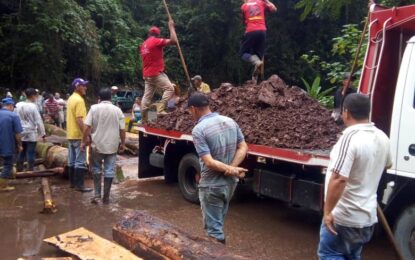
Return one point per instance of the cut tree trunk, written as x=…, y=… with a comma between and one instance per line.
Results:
x=48, y=205
x=54, y=156
x=54, y=130
x=153, y=238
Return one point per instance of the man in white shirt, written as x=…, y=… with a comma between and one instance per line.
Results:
x=32, y=128
x=357, y=162
x=105, y=124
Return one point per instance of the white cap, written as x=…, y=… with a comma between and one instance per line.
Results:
x=114, y=88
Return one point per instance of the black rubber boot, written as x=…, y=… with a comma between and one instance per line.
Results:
x=19, y=166
x=107, y=189
x=97, y=188
x=30, y=166
x=71, y=175
x=79, y=180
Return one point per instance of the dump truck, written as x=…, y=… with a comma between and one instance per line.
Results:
x=297, y=176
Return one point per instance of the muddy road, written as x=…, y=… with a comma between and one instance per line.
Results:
x=263, y=228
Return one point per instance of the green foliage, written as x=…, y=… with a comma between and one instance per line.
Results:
x=315, y=91
x=45, y=44
x=343, y=51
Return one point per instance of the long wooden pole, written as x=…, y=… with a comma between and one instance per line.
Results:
x=356, y=58
x=389, y=233
x=186, y=72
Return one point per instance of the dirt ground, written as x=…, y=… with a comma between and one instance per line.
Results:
x=262, y=228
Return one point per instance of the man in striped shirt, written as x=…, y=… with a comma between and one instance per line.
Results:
x=221, y=148
x=357, y=162
x=52, y=109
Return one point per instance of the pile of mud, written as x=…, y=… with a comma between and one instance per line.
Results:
x=271, y=114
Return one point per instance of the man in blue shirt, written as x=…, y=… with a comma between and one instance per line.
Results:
x=10, y=129
x=221, y=147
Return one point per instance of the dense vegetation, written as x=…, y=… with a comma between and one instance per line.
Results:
x=46, y=43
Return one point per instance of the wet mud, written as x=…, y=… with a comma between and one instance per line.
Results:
x=271, y=113
x=264, y=228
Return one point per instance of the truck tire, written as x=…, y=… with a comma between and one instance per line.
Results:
x=188, y=168
x=405, y=232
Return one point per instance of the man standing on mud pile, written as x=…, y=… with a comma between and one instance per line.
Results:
x=221, y=147
x=151, y=52
x=253, y=43
x=105, y=123
x=75, y=115
x=33, y=127
x=357, y=162
x=10, y=129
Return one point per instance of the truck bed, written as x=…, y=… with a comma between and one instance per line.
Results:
x=304, y=157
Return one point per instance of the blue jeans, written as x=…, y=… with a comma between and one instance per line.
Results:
x=29, y=153
x=109, y=163
x=6, y=173
x=76, y=157
x=348, y=243
x=214, y=202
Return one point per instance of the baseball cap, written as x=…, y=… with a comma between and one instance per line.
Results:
x=114, y=88
x=78, y=81
x=155, y=30
x=198, y=99
x=7, y=101
x=197, y=77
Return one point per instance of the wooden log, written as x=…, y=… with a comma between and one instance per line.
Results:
x=48, y=205
x=57, y=156
x=42, y=149
x=86, y=245
x=54, y=130
x=153, y=238
x=41, y=173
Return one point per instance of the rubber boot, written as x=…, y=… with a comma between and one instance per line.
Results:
x=107, y=189
x=257, y=63
x=79, y=180
x=4, y=185
x=71, y=175
x=30, y=166
x=19, y=166
x=97, y=188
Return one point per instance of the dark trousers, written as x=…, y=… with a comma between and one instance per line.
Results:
x=6, y=173
x=28, y=153
x=253, y=43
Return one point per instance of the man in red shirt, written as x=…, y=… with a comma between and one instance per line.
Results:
x=151, y=52
x=51, y=108
x=253, y=44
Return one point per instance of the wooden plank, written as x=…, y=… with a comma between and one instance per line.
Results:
x=86, y=245
x=153, y=238
x=39, y=173
x=48, y=205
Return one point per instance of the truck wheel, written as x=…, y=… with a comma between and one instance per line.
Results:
x=189, y=168
x=405, y=232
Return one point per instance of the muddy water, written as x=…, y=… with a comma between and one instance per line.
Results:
x=262, y=228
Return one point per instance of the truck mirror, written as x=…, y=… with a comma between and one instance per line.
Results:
x=412, y=149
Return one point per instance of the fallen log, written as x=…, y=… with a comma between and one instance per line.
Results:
x=54, y=130
x=152, y=238
x=53, y=155
x=39, y=173
x=86, y=245
x=48, y=205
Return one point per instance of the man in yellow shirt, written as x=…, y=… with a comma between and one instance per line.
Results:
x=200, y=85
x=75, y=115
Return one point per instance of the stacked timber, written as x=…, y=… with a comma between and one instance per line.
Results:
x=153, y=238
